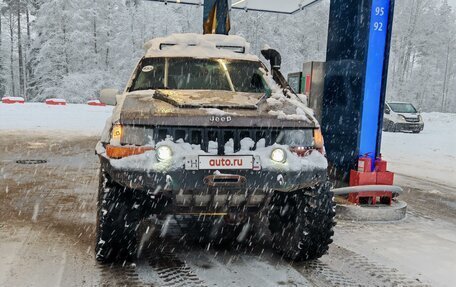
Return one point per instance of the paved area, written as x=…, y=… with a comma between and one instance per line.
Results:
x=47, y=231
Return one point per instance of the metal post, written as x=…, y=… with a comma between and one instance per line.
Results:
x=216, y=17
x=375, y=78
x=359, y=36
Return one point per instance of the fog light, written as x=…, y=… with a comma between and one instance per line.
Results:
x=164, y=153
x=278, y=155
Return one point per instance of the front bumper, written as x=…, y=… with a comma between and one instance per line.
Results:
x=412, y=127
x=204, y=188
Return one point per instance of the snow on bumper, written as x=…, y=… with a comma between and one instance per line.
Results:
x=145, y=172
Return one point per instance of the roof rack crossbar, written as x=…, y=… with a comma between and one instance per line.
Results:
x=235, y=49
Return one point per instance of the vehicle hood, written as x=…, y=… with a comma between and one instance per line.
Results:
x=210, y=108
x=409, y=115
x=209, y=99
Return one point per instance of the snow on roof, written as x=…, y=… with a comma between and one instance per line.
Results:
x=13, y=98
x=200, y=46
x=57, y=100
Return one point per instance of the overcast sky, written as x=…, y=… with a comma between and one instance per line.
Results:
x=452, y=2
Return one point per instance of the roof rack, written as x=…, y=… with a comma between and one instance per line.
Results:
x=235, y=49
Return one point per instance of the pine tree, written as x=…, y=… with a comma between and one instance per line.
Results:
x=2, y=75
x=78, y=47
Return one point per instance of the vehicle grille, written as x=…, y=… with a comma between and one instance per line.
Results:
x=412, y=120
x=407, y=127
x=220, y=136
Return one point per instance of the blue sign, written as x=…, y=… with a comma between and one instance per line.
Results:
x=374, y=73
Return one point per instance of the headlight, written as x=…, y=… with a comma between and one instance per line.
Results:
x=164, y=153
x=278, y=155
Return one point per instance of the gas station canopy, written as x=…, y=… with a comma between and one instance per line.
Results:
x=272, y=6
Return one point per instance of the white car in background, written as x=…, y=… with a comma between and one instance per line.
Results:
x=402, y=117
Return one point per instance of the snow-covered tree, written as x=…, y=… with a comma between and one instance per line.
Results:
x=2, y=62
x=71, y=49
x=421, y=61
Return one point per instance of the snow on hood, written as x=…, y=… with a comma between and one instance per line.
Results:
x=198, y=46
x=194, y=107
x=286, y=105
x=209, y=99
x=409, y=115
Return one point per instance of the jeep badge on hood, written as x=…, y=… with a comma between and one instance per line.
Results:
x=217, y=119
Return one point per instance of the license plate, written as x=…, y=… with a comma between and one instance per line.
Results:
x=203, y=162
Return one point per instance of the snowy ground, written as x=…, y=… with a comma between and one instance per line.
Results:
x=83, y=119
x=47, y=234
x=47, y=217
x=430, y=154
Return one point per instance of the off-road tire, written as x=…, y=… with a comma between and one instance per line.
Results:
x=118, y=217
x=301, y=222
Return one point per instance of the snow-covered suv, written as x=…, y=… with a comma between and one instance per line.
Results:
x=401, y=116
x=203, y=128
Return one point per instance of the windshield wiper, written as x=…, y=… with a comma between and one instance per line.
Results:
x=149, y=88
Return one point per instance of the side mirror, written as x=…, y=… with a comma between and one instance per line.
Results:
x=108, y=96
x=273, y=57
x=387, y=111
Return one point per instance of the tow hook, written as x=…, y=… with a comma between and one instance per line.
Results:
x=224, y=180
x=280, y=179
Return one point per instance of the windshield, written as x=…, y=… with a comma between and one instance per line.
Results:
x=199, y=74
x=403, y=108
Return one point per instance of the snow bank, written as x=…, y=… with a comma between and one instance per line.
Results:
x=13, y=100
x=95, y=103
x=83, y=119
x=429, y=155
x=56, y=102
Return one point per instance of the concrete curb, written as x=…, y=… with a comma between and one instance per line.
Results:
x=396, y=211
